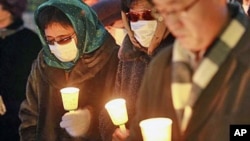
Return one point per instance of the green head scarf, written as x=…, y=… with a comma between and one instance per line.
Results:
x=90, y=33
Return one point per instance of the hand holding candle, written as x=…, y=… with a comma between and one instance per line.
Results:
x=118, y=112
x=70, y=98
x=77, y=121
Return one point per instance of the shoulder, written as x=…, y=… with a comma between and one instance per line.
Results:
x=28, y=35
x=28, y=32
x=242, y=51
x=160, y=63
x=163, y=56
x=30, y=38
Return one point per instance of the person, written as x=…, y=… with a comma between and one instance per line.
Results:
x=132, y=65
x=245, y=5
x=19, y=47
x=108, y=12
x=202, y=82
x=77, y=52
x=137, y=19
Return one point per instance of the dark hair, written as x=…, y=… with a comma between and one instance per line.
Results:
x=126, y=4
x=50, y=15
x=15, y=7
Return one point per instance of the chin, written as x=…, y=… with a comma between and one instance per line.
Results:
x=189, y=45
x=189, y=41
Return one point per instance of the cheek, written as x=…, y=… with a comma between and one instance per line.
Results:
x=192, y=26
x=75, y=40
x=172, y=22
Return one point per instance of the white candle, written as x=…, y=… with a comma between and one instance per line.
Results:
x=118, y=112
x=70, y=98
x=156, y=129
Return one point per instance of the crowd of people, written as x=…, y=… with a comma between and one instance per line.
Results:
x=186, y=60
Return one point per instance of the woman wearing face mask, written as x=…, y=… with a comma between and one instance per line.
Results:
x=77, y=52
x=245, y=5
x=146, y=37
x=144, y=31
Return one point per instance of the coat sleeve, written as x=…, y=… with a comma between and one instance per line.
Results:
x=28, y=113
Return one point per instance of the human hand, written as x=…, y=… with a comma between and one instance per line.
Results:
x=2, y=106
x=76, y=123
x=119, y=135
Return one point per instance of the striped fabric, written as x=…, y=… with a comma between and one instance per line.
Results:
x=189, y=81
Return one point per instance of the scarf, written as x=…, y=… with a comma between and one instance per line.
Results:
x=7, y=32
x=189, y=81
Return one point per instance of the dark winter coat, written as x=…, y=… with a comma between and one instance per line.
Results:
x=41, y=112
x=93, y=72
x=132, y=66
x=17, y=52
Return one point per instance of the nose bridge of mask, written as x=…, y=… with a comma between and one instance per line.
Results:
x=144, y=31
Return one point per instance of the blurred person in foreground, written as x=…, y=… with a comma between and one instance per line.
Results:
x=202, y=82
x=77, y=52
x=19, y=47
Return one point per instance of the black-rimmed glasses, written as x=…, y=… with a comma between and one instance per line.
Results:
x=61, y=41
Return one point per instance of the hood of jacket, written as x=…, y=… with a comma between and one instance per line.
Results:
x=90, y=33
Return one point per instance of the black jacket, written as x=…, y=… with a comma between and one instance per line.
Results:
x=19, y=46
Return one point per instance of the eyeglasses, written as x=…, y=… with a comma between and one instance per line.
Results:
x=176, y=9
x=142, y=15
x=61, y=41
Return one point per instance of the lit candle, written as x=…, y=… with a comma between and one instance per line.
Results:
x=156, y=129
x=70, y=98
x=118, y=112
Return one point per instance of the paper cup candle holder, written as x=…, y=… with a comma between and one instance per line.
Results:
x=70, y=98
x=118, y=112
x=156, y=129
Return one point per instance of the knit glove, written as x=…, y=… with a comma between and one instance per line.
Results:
x=76, y=123
x=2, y=106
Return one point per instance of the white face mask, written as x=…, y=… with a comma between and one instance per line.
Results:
x=144, y=31
x=66, y=52
x=245, y=7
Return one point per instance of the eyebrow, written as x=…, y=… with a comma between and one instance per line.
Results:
x=60, y=36
x=173, y=5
